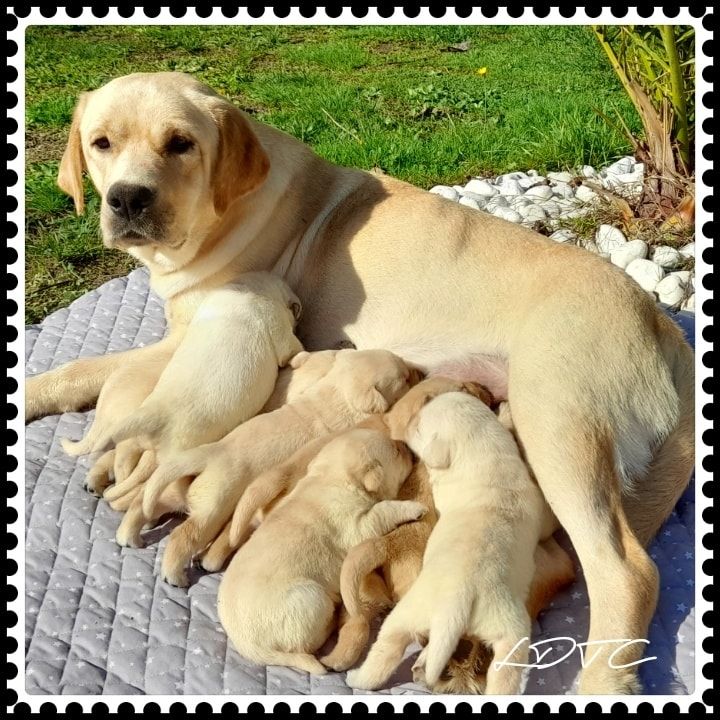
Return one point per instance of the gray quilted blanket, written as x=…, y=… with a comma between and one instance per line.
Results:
x=100, y=621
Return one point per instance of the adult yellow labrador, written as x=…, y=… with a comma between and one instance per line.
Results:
x=600, y=382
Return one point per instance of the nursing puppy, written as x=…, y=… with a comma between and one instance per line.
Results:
x=478, y=564
x=358, y=384
x=225, y=368
x=277, y=598
x=397, y=555
x=304, y=370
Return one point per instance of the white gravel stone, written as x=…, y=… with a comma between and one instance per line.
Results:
x=529, y=182
x=481, y=187
x=481, y=200
x=564, y=236
x=563, y=190
x=666, y=257
x=552, y=208
x=688, y=250
x=622, y=166
x=646, y=273
x=685, y=276
x=532, y=213
x=670, y=290
x=459, y=189
x=585, y=194
x=469, y=202
x=591, y=245
x=510, y=187
x=561, y=177
x=496, y=202
x=533, y=173
x=445, y=191
x=502, y=179
x=541, y=192
x=623, y=255
x=609, y=238
x=507, y=214
x=689, y=304
x=588, y=171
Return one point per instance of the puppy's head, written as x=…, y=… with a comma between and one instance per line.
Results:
x=167, y=155
x=276, y=289
x=367, y=458
x=372, y=380
x=403, y=417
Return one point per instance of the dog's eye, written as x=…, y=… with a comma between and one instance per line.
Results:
x=101, y=143
x=178, y=145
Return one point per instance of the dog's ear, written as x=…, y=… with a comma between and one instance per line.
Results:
x=72, y=164
x=299, y=360
x=296, y=307
x=242, y=164
x=370, y=401
x=480, y=392
x=436, y=454
x=373, y=476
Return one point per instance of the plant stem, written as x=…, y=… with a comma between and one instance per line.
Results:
x=678, y=92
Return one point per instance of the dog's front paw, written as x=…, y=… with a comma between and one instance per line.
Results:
x=176, y=576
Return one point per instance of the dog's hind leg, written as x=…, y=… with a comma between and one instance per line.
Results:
x=580, y=482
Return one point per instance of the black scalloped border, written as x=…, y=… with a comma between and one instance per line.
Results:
x=411, y=10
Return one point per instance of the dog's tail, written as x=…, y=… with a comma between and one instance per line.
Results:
x=79, y=447
x=654, y=497
x=189, y=462
x=446, y=629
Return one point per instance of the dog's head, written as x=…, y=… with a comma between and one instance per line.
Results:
x=403, y=417
x=167, y=155
x=366, y=458
x=372, y=380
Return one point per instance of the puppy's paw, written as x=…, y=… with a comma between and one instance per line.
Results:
x=416, y=510
x=177, y=577
x=358, y=680
x=128, y=537
x=338, y=663
x=418, y=672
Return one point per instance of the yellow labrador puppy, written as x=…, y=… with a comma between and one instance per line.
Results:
x=225, y=368
x=277, y=598
x=292, y=382
x=478, y=564
x=601, y=382
x=358, y=384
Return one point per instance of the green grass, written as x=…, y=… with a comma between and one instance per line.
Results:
x=389, y=97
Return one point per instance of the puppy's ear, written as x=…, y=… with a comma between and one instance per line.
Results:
x=370, y=401
x=373, y=477
x=480, y=392
x=242, y=165
x=299, y=360
x=72, y=164
x=296, y=308
x=436, y=454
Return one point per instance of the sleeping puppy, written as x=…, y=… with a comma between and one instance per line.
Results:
x=478, y=564
x=277, y=598
x=282, y=477
x=291, y=383
x=358, y=384
x=399, y=554
x=225, y=368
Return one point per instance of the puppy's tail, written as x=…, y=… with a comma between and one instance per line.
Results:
x=189, y=462
x=446, y=630
x=358, y=564
x=81, y=447
x=302, y=661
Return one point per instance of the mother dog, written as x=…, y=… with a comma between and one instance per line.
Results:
x=600, y=382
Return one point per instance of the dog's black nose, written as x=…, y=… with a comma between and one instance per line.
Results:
x=129, y=201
